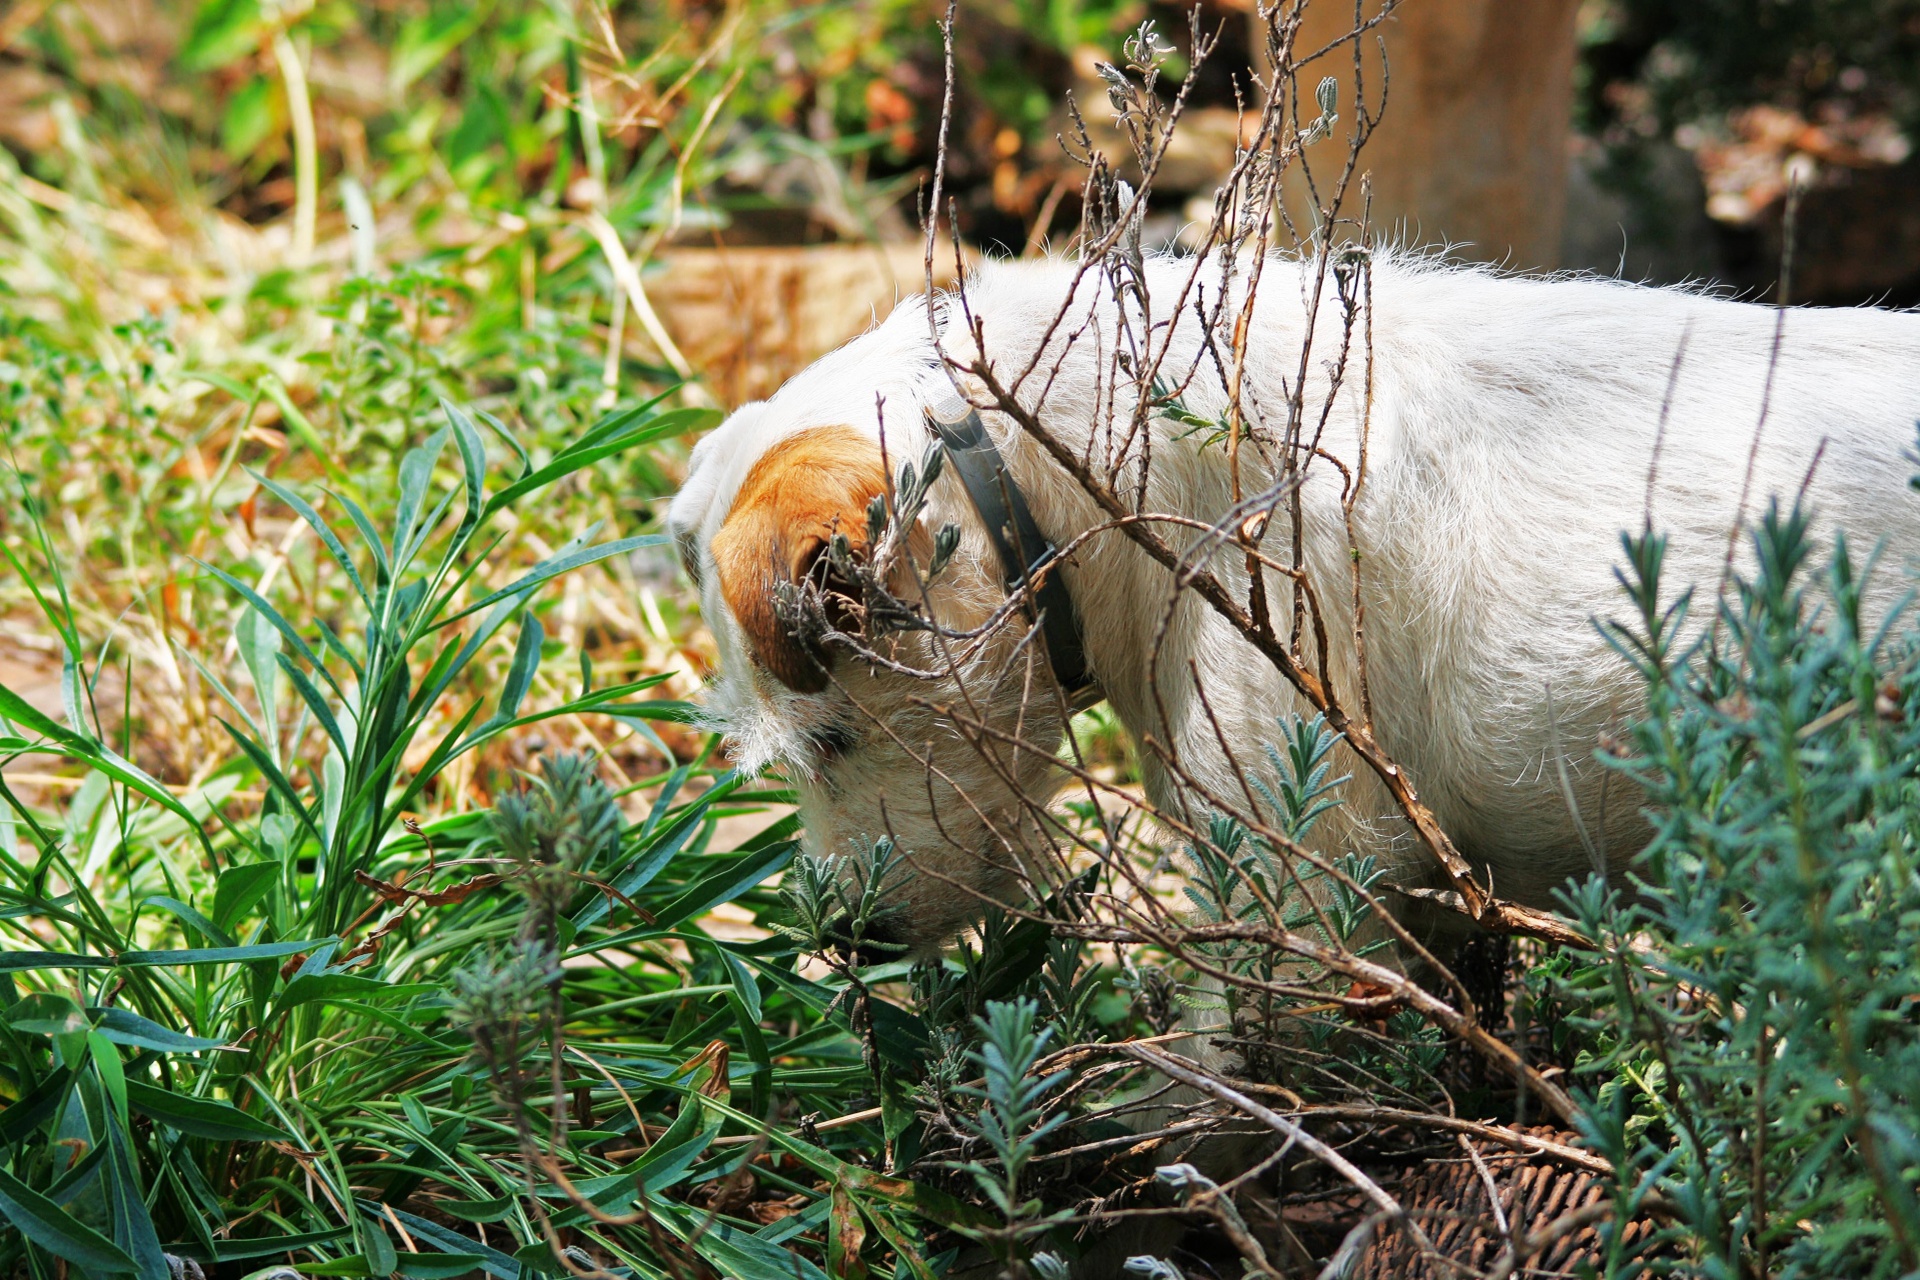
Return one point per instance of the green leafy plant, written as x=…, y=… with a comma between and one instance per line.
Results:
x=312, y=997
x=836, y=899
x=1011, y=1122
x=1750, y=1043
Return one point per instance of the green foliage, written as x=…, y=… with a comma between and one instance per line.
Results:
x=556, y=833
x=276, y=990
x=240, y=1033
x=835, y=900
x=1304, y=790
x=1748, y=1022
x=1011, y=1120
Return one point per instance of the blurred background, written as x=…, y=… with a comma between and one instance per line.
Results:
x=206, y=149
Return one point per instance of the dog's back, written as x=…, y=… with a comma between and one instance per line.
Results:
x=1513, y=428
x=1517, y=428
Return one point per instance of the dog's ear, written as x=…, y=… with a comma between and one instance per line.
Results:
x=801, y=492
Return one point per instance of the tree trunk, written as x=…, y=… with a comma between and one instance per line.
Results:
x=1472, y=149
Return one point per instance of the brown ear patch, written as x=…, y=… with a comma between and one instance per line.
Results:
x=805, y=489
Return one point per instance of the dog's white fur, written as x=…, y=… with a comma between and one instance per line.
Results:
x=1512, y=434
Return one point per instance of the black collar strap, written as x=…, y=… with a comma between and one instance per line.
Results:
x=1025, y=554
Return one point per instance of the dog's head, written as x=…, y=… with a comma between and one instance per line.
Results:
x=949, y=766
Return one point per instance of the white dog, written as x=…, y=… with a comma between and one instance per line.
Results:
x=1512, y=438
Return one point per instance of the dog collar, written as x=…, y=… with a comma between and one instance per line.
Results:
x=1025, y=554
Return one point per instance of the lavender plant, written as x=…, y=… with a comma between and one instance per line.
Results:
x=1752, y=1054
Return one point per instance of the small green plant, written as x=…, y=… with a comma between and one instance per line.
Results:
x=835, y=899
x=1303, y=791
x=554, y=834
x=1011, y=1121
x=1748, y=1022
x=238, y=1032
x=1290, y=1019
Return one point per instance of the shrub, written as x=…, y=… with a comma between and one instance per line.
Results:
x=1752, y=1012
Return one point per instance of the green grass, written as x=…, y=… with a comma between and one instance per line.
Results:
x=249, y=1030
x=328, y=564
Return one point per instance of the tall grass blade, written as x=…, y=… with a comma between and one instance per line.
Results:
x=473, y=464
x=549, y=569
x=526, y=656
x=279, y=623
x=201, y=1117
x=321, y=529
x=58, y=1232
x=20, y=712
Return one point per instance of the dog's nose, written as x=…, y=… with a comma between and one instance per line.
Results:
x=881, y=941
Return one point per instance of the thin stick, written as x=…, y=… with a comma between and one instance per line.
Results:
x=1172, y=1066
x=1512, y=1139
x=1660, y=429
x=940, y=170
x=1766, y=390
x=625, y=272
